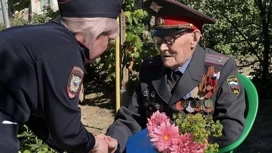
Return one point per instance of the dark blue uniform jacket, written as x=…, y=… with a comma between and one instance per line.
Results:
x=35, y=65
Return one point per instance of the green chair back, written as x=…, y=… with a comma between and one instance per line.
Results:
x=252, y=103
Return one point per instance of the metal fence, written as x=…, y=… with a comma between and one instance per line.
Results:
x=8, y=8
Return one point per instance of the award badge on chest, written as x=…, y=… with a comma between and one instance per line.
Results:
x=199, y=99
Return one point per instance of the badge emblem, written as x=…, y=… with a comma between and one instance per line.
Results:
x=155, y=7
x=74, y=82
x=233, y=85
x=159, y=21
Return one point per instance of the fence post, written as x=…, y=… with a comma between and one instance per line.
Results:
x=5, y=13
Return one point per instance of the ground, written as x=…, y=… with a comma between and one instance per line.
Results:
x=97, y=112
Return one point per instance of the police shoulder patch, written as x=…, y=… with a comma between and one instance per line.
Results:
x=233, y=85
x=74, y=82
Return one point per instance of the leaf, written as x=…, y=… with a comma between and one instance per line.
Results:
x=136, y=54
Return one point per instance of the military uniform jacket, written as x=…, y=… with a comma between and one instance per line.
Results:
x=41, y=73
x=153, y=93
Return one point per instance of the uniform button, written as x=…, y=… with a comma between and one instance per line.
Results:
x=153, y=94
x=146, y=94
x=158, y=106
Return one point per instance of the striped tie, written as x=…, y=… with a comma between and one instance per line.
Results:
x=174, y=76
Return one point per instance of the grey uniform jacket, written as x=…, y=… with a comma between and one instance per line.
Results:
x=154, y=93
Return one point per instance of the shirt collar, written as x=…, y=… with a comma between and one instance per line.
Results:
x=184, y=66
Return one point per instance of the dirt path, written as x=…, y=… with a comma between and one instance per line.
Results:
x=96, y=119
x=97, y=113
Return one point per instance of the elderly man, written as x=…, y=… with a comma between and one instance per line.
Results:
x=42, y=68
x=185, y=77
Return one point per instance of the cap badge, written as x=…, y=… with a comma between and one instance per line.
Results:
x=74, y=82
x=233, y=85
x=155, y=7
x=159, y=21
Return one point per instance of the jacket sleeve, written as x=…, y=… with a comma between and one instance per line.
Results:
x=230, y=106
x=59, y=109
x=128, y=121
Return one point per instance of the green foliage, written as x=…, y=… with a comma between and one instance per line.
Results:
x=201, y=127
x=103, y=69
x=29, y=143
x=2, y=26
x=138, y=44
x=18, y=5
x=48, y=14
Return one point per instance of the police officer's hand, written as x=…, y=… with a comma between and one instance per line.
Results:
x=101, y=145
x=112, y=143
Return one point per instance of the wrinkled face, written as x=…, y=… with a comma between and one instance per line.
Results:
x=175, y=54
x=100, y=45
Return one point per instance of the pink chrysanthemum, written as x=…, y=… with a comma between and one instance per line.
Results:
x=155, y=120
x=162, y=136
x=185, y=144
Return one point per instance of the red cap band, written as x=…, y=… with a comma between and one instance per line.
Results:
x=174, y=20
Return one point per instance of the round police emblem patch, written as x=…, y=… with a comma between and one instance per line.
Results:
x=233, y=85
x=74, y=82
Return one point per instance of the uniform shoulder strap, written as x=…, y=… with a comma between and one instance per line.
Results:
x=216, y=59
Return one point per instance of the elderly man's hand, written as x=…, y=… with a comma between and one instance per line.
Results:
x=112, y=143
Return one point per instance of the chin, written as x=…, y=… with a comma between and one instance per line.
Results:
x=170, y=65
x=167, y=64
x=91, y=60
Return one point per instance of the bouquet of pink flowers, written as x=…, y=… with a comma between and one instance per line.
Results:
x=187, y=134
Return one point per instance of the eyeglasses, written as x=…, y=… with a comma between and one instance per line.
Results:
x=169, y=39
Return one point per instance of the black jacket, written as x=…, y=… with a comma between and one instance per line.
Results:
x=41, y=73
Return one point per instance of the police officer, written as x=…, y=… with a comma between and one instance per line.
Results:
x=42, y=67
x=184, y=78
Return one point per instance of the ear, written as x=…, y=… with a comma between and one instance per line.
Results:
x=79, y=37
x=196, y=37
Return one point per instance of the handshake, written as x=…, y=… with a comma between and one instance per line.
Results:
x=104, y=144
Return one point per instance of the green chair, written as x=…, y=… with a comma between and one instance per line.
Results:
x=252, y=103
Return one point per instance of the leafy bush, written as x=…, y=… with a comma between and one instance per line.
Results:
x=30, y=143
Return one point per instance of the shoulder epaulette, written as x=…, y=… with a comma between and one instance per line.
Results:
x=216, y=59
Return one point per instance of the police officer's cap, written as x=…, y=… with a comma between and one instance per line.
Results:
x=90, y=8
x=172, y=17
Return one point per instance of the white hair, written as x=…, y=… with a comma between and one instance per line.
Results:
x=91, y=28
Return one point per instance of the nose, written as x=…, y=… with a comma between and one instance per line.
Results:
x=163, y=47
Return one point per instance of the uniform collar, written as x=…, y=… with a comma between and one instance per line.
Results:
x=84, y=49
